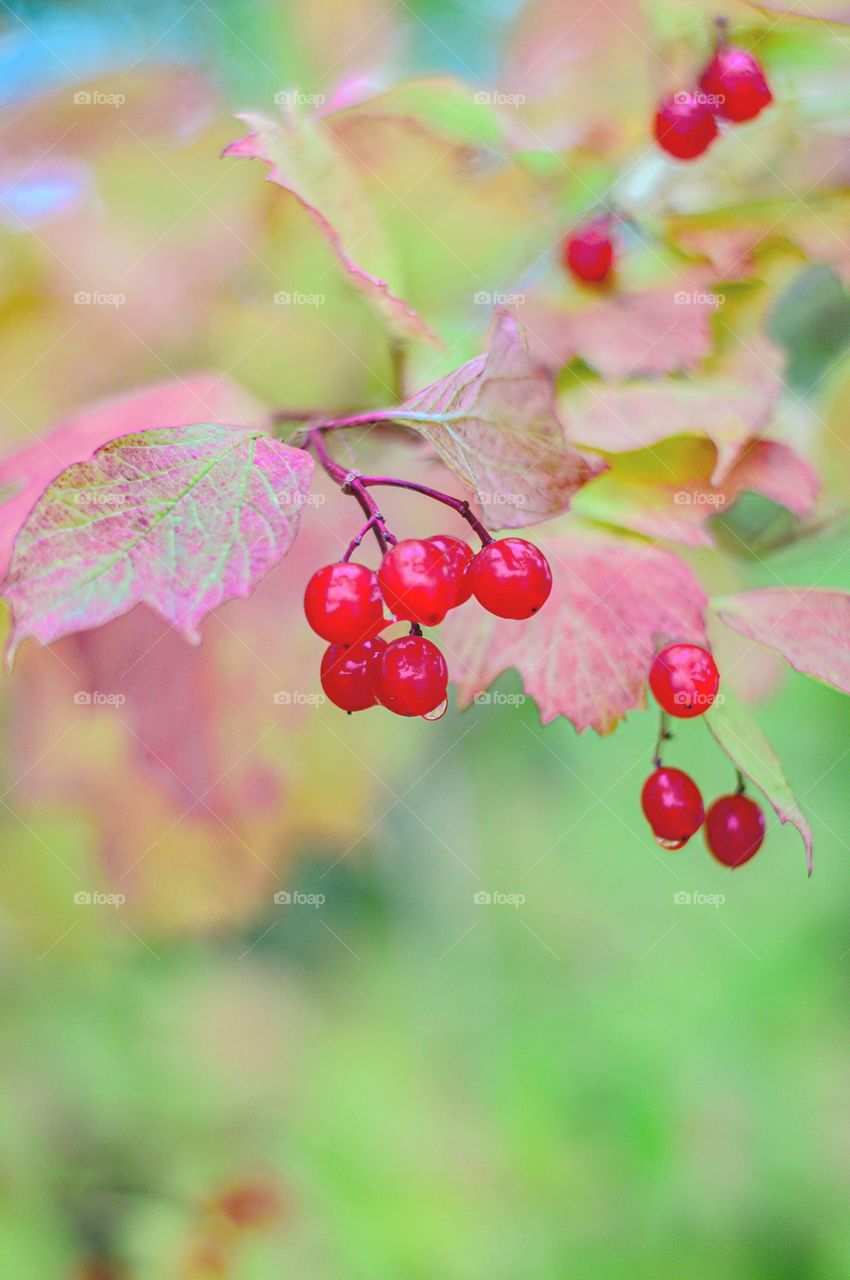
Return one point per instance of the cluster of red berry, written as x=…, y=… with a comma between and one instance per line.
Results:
x=419, y=581
x=733, y=86
x=684, y=680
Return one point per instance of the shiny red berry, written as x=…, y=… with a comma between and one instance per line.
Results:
x=734, y=830
x=511, y=578
x=458, y=557
x=684, y=680
x=684, y=126
x=347, y=673
x=417, y=582
x=411, y=677
x=342, y=602
x=589, y=253
x=672, y=805
x=737, y=85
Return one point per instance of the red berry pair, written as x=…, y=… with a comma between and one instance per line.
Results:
x=419, y=580
x=673, y=807
x=732, y=86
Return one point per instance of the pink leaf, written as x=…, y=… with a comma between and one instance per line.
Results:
x=809, y=628
x=623, y=334
x=182, y=519
x=196, y=398
x=306, y=159
x=740, y=736
x=587, y=654
x=493, y=422
x=728, y=408
x=666, y=491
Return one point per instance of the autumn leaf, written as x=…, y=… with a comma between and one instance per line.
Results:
x=808, y=627
x=25, y=475
x=587, y=654
x=626, y=334
x=728, y=408
x=307, y=160
x=666, y=491
x=179, y=518
x=741, y=737
x=493, y=422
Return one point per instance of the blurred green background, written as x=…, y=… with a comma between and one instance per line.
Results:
x=586, y=1075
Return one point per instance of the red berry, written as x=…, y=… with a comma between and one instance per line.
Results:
x=347, y=673
x=458, y=556
x=249, y=1205
x=342, y=602
x=672, y=805
x=684, y=680
x=417, y=582
x=511, y=578
x=589, y=253
x=734, y=830
x=684, y=126
x=737, y=83
x=411, y=676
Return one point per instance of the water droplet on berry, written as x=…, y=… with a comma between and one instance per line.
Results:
x=438, y=712
x=670, y=844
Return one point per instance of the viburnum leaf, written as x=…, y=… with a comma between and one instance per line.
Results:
x=741, y=737
x=493, y=422
x=306, y=159
x=587, y=654
x=727, y=408
x=200, y=397
x=626, y=334
x=182, y=519
x=666, y=491
x=808, y=627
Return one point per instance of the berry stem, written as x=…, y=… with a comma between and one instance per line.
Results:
x=351, y=482
x=371, y=523
x=742, y=785
x=721, y=27
x=460, y=505
x=664, y=735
